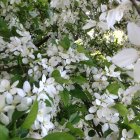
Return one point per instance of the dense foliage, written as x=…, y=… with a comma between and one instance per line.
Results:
x=69, y=69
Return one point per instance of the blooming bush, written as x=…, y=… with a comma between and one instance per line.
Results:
x=69, y=69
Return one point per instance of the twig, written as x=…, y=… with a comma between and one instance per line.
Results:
x=136, y=6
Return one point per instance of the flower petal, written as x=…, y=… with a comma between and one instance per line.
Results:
x=137, y=71
x=89, y=24
x=4, y=119
x=125, y=57
x=2, y=101
x=114, y=127
x=26, y=87
x=89, y=117
x=133, y=33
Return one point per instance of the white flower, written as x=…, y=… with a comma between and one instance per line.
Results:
x=60, y=3
x=4, y=85
x=48, y=85
x=52, y=50
x=127, y=135
x=26, y=89
x=15, y=1
x=25, y=61
x=89, y=24
x=110, y=72
x=92, y=109
x=54, y=61
x=46, y=126
x=113, y=16
x=131, y=114
x=100, y=81
x=34, y=135
x=43, y=120
x=5, y=118
x=25, y=104
x=133, y=33
x=129, y=93
x=112, y=126
x=125, y=57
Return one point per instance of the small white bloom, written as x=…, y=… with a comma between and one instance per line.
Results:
x=127, y=135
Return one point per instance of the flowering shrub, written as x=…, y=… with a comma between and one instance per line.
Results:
x=64, y=71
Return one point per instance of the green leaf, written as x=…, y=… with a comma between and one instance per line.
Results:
x=135, y=127
x=113, y=88
x=59, y=136
x=16, y=138
x=22, y=133
x=58, y=78
x=121, y=109
x=89, y=63
x=4, y=133
x=56, y=73
x=4, y=1
x=65, y=97
x=31, y=116
x=79, y=80
x=81, y=49
x=78, y=93
x=48, y=103
x=75, y=131
x=29, y=139
x=4, y=31
x=74, y=118
x=65, y=42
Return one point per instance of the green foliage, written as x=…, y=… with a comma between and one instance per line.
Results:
x=65, y=97
x=135, y=127
x=79, y=79
x=113, y=88
x=65, y=42
x=74, y=118
x=122, y=109
x=29, y=120
x=51, y=26
x=4, y=31
x=4, y=133
x=59, y=136
x=16, y=138
x=58, y=78
x=78, y=93
x=77, y=132
x=4, y=1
